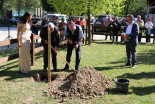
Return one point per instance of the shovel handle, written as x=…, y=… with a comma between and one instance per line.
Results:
x=63, y=58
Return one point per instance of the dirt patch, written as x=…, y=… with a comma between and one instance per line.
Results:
x=86, y=83
x=43, y=77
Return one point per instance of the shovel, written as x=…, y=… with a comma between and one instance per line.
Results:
x=62, y=58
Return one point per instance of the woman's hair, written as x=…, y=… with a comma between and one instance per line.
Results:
x=150, y=19
x=24, y=17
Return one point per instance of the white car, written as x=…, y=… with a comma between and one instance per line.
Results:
x=60, y=16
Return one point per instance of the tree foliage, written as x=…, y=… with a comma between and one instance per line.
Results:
x=135, y=7
x=78, y=7
x=18, y=4
x=46, y=6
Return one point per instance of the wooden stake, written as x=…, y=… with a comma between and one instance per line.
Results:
x=49, y=55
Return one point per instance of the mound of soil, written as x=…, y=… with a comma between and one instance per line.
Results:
x=87, y=82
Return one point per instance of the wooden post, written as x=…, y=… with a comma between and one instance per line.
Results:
x=86, y=36
x=88, y=21
x=49, y=56
x=92, y=31
x=154, y=35
x=32, y=49
x=83, y=35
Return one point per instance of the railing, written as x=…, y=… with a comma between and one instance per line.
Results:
x=111, y=28
x=32, y=51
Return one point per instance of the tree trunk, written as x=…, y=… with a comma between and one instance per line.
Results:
x=1, y=4
x=34, y=4
x=18, y=10
x=89, y=35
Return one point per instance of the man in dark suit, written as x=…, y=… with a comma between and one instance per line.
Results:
x=54, y=44
x=116, y=26
x=132, y=32
x=74, y=36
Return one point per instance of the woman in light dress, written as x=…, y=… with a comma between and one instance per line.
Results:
x=23, y=37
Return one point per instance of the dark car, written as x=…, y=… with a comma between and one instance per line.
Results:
x=71, y=18
x=99, y=24
x=14, y=22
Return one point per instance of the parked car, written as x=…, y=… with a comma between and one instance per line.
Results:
x=100, y=22
x=14, y=20
x=71, y=18
x=60, y=16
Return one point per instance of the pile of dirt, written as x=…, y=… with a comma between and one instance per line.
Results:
x=85, y=83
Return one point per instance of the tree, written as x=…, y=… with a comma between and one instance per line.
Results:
x=46, y=6
x=4, y=5
x=135, y=6
x=27, y=4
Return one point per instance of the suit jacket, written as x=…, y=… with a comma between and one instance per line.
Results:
x=133, y=37
x=54, y=35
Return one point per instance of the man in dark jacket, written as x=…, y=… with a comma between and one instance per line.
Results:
x=44, y=22
x=132, y=32
x=54, y=44
x=116, y=26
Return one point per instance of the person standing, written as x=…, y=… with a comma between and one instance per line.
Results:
x=132, y=32
x=53, y=21
x=57, y=21
x=140, y=22
x=62, y=28
x=92, y=19
x=54, y=44
x=76, y=20
x=23, y=38
x=116, y=26
x=74, y=36
x=123, y=28
x=149, y=26
x=35, y=25
x=82, y=23
x=44, y=22
x=107, y=24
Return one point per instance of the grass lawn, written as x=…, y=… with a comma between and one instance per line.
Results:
x=107, y=58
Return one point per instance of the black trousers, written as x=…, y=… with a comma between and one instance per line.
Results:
x=147, y=38
x=108, y=30
x=54, y=60
x=139, y=37
x=131, y=51
x=35, y=31
x=115, y=32
x=70, y=48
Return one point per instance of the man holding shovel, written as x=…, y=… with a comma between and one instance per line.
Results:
x=54, y=43
x=74, y=36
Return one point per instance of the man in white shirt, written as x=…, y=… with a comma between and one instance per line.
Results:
x=132, y=32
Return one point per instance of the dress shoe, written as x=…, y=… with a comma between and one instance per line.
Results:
x=133, y=66
x=76, y=69
x=66, y=68
x=127, y=64
x=56, y=70
x=44, y=70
